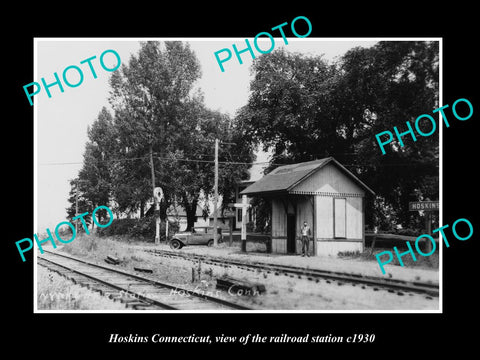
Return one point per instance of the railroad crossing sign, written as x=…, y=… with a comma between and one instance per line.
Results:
x=158, y=194
x=424, y=205
x=244, y=206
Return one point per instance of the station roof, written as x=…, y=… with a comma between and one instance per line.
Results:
x=285, y=177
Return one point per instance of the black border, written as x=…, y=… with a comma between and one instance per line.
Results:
x=87, y=334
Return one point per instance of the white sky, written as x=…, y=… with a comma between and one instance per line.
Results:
x=62, y=120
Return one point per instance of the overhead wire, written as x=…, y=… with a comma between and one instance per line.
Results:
x=269, y=163
x=220, y=162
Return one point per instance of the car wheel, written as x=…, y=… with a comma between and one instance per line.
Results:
x=210, y=243
x=175, y=244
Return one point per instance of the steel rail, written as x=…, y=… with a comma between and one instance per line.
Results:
x=143, y=279
x=137, y=296
x=393, y=284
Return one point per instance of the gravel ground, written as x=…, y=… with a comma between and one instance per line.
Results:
x=282, y=292
x=351, y=265
x=301, y=294
x=287, y=293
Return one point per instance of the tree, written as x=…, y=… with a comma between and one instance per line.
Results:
x=190, y=164
x=130, y=172
x=147, y=95
x=394, y=82
x=166, y=132
x=94, y=180
x=77, y=196
x=288, y=110
x=302, y=108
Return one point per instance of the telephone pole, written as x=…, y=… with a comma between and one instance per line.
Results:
x=155, y=201
x=76, y=207
x=215, y=193
x=215, y=197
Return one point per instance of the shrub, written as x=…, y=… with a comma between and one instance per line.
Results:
x=143, y=228
x=117, y=227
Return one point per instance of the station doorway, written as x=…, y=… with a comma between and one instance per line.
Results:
x=291, y=238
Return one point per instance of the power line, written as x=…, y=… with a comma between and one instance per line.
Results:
x=227, y=162
x=104, y=161
x=232, y=162
x=161, y=159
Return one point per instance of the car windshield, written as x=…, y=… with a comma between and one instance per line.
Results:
x=201, y=230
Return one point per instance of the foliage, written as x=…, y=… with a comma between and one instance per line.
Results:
x=94, y=179
x=302, y=108
x=143, y=228
x=84, y=205
x=262, y=208
x=148, y=96
x=160, y=134
x=157, y=114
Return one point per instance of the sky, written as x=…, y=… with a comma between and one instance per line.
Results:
x=61, y=121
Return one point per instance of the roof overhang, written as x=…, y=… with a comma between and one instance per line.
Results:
x=291, y=186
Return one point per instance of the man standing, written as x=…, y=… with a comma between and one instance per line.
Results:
x=306, y=232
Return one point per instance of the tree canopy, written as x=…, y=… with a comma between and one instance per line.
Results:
x=160, y=134
x=303, y=107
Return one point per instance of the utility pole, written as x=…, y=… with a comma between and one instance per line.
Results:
x=215, y=196
x=156, y=202
x=243, y=237
x=215, y=192
x=76, y=207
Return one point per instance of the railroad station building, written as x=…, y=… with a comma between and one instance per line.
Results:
x=322, y=192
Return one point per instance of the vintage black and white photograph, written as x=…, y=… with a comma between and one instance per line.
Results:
x=212, y=175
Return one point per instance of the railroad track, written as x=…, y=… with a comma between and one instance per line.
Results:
x=400, y=287
x=135, y=291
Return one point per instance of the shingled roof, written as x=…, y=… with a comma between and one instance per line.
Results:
x=284, y=178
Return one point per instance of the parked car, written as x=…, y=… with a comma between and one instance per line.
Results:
x=198, y=236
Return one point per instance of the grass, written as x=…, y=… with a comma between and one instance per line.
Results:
x=427, y=262
x=96, y=249
x=282, y=293
x=56, y=292
x=91, y=246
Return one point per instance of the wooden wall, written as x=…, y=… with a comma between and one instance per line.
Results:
x=328, y=183
x=324, y=217
x=330, y=179
x=304, y=213
x=279, y=227
x=354, y=218
x=327, y=244
x=332, y=248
